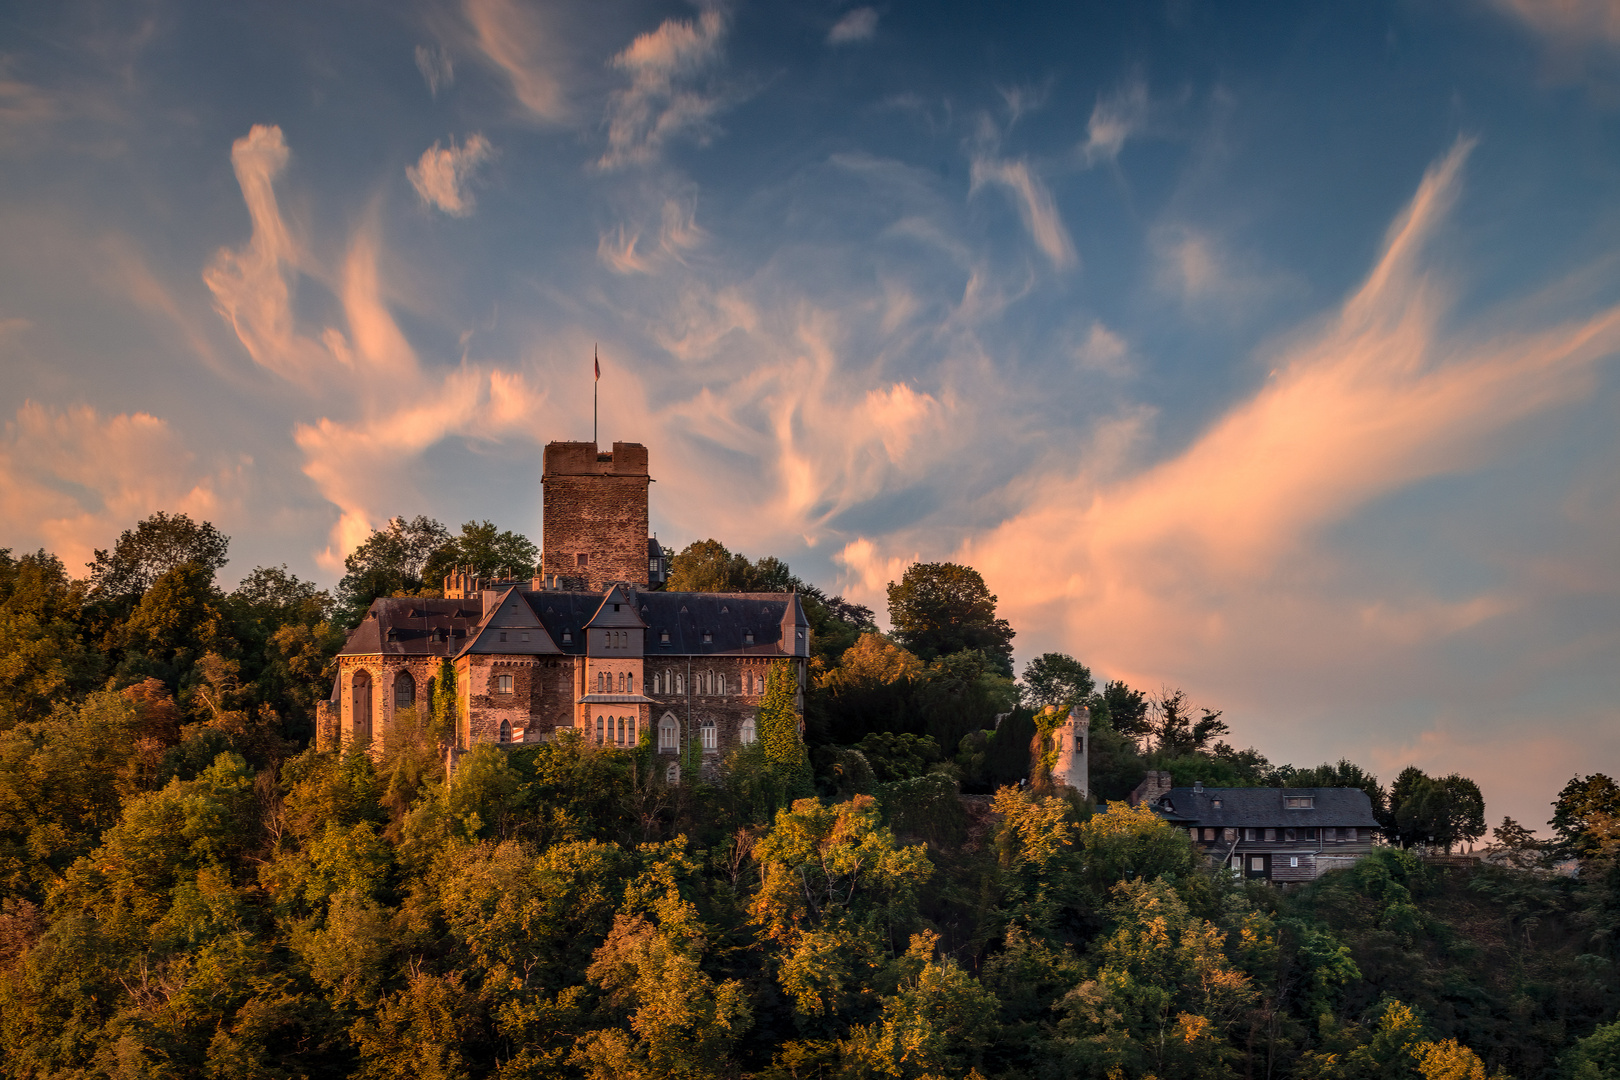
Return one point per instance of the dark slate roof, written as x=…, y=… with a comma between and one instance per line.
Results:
x=511, y=629
x=1263, y=807
x=412, y=626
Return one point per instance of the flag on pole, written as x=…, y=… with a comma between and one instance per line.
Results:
x=598, y=361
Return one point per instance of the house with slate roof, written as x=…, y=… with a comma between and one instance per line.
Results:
x=1273, y=834
x=589, y=646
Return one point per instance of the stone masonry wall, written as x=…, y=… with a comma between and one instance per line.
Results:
x=698, y=688
x=541, y=699
x=596, y=506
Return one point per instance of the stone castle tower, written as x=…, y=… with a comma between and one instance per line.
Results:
x=595, y=514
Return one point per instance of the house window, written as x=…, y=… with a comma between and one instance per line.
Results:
x=630, y=683
x=1271, y=834
x=1209, y=835
x=1216, y=803
x=720, y=684
x=620, y=724
x=1293, y=860
x=503, y=635
x=748, y=637
x=652, y=567
x=1258, y=864
x=360, y=705
x=621, y=682
x=506, y=731
x=404, y=690
x=708, y=735
x=708, y=638
x=1310, y=834
x=1248, y=834
x=582, y=559
x=1299, y=802
x=600, y=737
x=523, y=636
x=663, y=637
x=503, y=684
x=747, y=735
x=568, y=637
x=673, y=773
x=1228, y=835
x=666, y=732
x=1288, y=834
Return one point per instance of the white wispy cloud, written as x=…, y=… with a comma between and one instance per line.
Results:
x=621, y=248
x=520, y=42
x=1574, y=22
x=383, y=409
x=441, y=176
x=437, y=69
x=1034, y=204
x=1115, y=119
x=664, y=100
x=858, y=24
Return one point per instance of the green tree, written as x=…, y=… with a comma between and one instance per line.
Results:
x=389, y=563
x=176, y=623
x=1057, y=680
x=486, y=550
x=1586, y=816
x=707, y=566
x=1129, y=843
x=942, y=608
x=1127, y=711
x=43, y=652
x=153, y=548
x=1596, y=1057
x=1176, y=731
x=1441, y=811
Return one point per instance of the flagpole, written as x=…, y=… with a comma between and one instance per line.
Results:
x=597, y=361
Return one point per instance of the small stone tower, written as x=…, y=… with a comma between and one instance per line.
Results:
x=595, y=514
x=1073, y=746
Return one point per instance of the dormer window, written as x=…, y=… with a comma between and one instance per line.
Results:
x=615, y=607
x=725, y=609
x=503, y=635
x=708, y=638
x=568, y=637
x=1216, y=803
x=523, y=636
x=1299, y=802
x=748, y=637
x=663, y=637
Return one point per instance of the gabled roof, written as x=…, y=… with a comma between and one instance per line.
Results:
x=511, y=629
x=617, y=611
x=1264, y=807
x=414, y=626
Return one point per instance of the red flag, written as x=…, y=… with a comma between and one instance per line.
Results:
x=598, y=366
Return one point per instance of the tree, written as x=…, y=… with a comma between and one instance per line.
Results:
x=1440, y=812
x=1127, y=710
x=1345, y=774
x=707, y=566
x=389, y=563
x=943, y=608
x=153, y=548
x=485, y=550
x=1176, y=731
x=873, y=660
x=43, y=654
x=1057, y=680
x=1586, y=816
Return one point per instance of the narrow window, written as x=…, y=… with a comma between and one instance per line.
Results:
x=621, y=682
x=360, y=715
x=748, y=637
x=748, y=731
x=1293, y=860
x=708, y=637
x=621, y=731
x=1258, y=864
x=582, y=559
x=666, y=732
x=503, y=635
x=506, y=731
x=673, y=773
x=599, y=731
x=708, y=735
x=1288, y=834
x=663, y=637
x=630, y=723
x=503, y=684
x=1271, y=835
x=630, y=683
x=404, y=690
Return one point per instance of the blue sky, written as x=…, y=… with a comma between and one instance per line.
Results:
x=1263, y=350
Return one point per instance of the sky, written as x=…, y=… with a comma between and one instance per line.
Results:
x=1265, y=351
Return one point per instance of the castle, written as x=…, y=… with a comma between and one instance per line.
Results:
x=586, y=645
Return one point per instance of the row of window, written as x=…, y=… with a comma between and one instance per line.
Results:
x=1330, y=834
x=605, y=682
x=621, y=731
x=706, y=683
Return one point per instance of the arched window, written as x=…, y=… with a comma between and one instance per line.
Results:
x=621, y=682
x=506, y=731
x=708, y=735
x=748, y=731
x=404, y=691
x=720, y=685
x=360, y=700
x=666, y=732
x=673, y=773
x=630, y=683
x=680, y=684
x=630, y=722
x=600, y=736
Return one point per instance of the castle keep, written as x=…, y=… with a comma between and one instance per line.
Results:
x=589, y=644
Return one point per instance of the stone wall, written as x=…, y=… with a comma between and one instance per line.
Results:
x=383, y=672
x=692, y=694
x=595, y=507
x=540, y=701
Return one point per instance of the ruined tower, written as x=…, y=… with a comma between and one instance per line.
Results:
x=595, y=513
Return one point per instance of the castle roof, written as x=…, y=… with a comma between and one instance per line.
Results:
x=677, y=623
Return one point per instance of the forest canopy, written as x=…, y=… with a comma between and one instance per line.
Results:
x=188, y=888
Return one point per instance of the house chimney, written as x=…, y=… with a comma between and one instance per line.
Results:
x=1198, y=787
